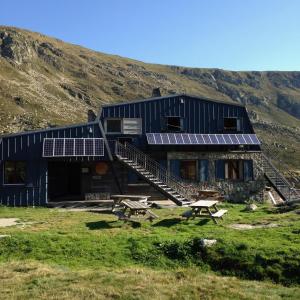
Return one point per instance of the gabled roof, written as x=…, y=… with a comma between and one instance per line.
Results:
x=173, y=96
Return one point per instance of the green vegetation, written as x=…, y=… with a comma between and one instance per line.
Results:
x=83, y=254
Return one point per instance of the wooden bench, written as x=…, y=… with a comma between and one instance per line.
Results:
x=219, y=213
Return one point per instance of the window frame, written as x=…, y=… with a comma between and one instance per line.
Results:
x=241, y=166
x=114, y=119
x=195, y=163
x=171, y=130
x=230, y=129
x=15, y=163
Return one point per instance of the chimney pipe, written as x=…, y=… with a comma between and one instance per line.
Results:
x=156, y=92
x=91, y=116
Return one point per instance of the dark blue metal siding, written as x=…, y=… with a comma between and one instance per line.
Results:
x=28, y=147
x=200, y=116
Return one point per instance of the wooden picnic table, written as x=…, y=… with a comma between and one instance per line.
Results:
x=119, y=198
x=206, y=208
x=135, y=208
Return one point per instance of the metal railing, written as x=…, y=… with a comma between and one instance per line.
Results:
x=278, y=180
x=159, y=173
x=272, y=154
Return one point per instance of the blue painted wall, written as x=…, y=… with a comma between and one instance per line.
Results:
x=28, y=147
x=200, y=115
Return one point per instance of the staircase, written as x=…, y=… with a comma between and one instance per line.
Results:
x=282, y=186
x=152, y=172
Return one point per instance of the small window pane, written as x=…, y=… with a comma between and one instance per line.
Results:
x=113, y=126
x=230, y=124
x=14, y=172
x=174, y=124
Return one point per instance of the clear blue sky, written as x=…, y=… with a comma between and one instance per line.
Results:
x=228, y=34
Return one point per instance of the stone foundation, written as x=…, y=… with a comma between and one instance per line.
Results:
x=236, y=191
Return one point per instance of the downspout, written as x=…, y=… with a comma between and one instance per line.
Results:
x=111, y=159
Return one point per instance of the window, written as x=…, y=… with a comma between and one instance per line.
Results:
x=114, y=126
x=232, y=124
x=173, y=124
x=123, y=126
x=234, y=170
x=14, y=172
x=188, y=170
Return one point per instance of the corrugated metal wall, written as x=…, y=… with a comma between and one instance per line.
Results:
x=200, y=116
x=28, y=147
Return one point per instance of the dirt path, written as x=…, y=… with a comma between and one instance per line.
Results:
x=5, y=222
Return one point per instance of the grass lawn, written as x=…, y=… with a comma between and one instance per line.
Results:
x=59, y=254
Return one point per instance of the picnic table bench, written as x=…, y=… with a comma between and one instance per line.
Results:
x=119, y=198
x=205, y=208
x=135, y=208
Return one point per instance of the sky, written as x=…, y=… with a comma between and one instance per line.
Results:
x=226, y=34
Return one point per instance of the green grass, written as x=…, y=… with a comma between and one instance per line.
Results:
x=99, y=248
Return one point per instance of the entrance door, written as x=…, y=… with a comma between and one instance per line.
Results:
x=64, y=181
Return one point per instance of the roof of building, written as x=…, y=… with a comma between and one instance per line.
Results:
x=47, y=129
x=174, y=96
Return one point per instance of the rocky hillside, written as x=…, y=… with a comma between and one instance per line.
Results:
x=46, y=82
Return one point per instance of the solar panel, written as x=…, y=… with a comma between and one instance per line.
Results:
x=61, y=147
x=206, y=139
x=247, y=139
x=58, y=147
x=254, y=138
x=201, y=139
x=99, y=147
x=214, y=139
x=89, y=147
x=172, y=138
x=79, y=147
x=220, y=139
x=151, y=138
x=48, y=147
x=234, y=139
x=69, y=147
x=186, y=139
x=193, y=138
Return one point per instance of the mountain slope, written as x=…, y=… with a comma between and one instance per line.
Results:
x=44, y=81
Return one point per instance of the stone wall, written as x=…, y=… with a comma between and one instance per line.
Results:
x=236, y=191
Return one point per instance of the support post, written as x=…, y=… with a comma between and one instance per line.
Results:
x=111, y=159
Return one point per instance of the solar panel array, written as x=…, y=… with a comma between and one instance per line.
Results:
x=201, y=139
x=61, y=147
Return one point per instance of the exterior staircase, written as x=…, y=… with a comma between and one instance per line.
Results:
x=152, y=172
x=282, y=186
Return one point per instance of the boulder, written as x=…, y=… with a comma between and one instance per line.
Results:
x=251, y=207
x=205, y=243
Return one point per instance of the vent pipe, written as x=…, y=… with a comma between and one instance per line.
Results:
x=156, y=92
